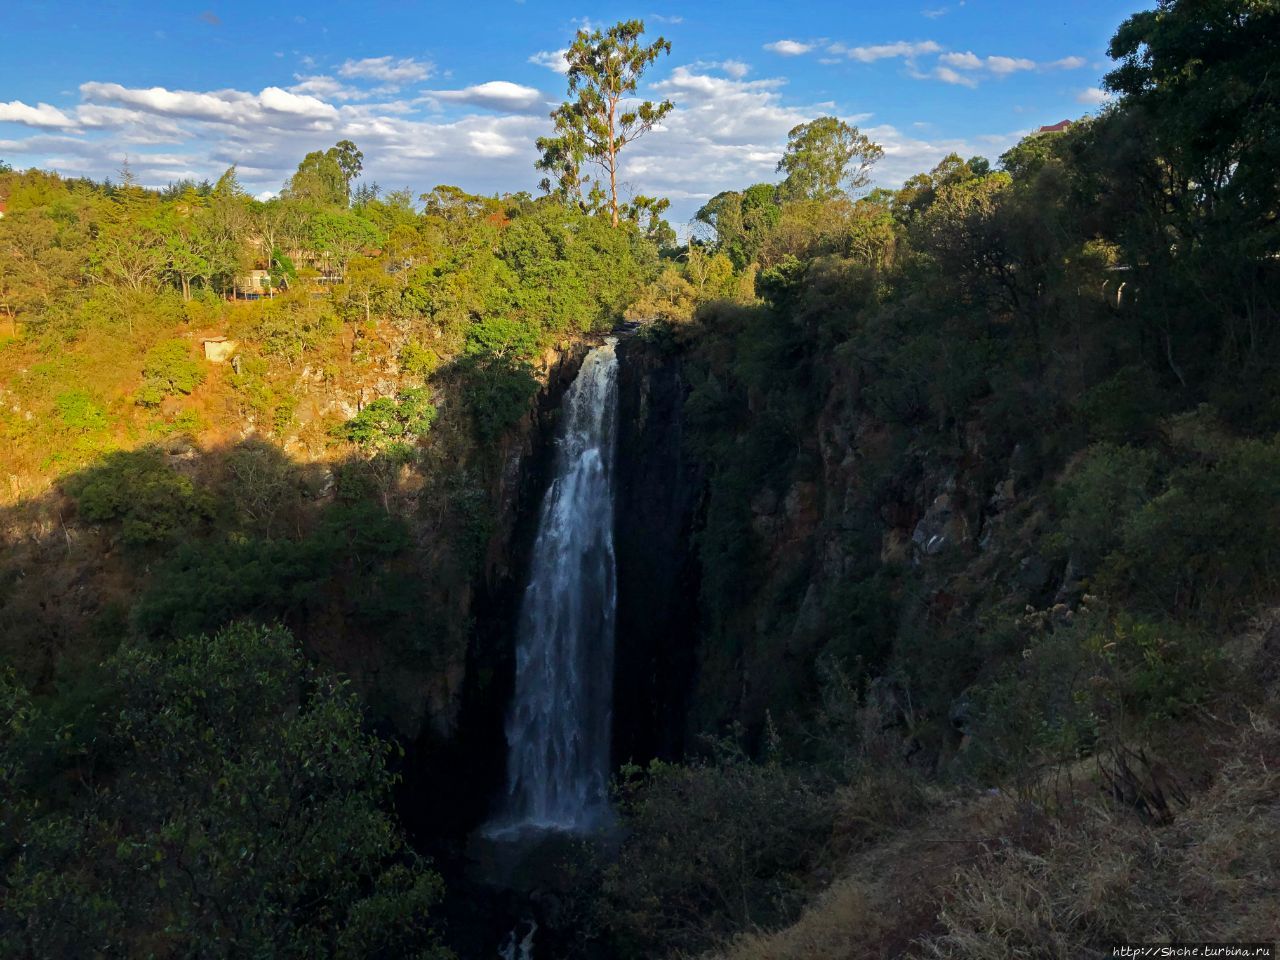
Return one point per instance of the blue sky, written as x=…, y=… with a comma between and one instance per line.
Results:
x=457, y=92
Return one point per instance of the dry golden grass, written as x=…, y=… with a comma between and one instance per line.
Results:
x=976, y=882
x=886, y=895
x=1214, y=874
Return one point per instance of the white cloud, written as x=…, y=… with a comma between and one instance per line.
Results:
x=234, y=107
x=388, y=69
x=659, y=18
x=51, y=143
x=129, y=125
x=947, y=75
x=296, y=104
x=552, y=60
x=789, y=48
x=1093, y=96
x=1007, y=65
x=41, y=115
x=728, y=131
x=885, y=51
x=962, y=61
x=997, y=66
x=494, y=95
x=226, y=105
x=327, y=88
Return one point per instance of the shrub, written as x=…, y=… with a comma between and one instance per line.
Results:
x=1087, y=678
x=713, y=849
x=151, y=501
x=79, y=413
x=1107, y=486
x=1211, y=539
x=392, y=427
x=498, y=392
x=1124, y=408
x=418, y=361
x=168, y=369
x=243, y=807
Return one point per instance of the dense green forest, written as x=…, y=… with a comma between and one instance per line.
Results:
x=987, y=531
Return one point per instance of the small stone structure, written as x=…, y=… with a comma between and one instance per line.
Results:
x=219, y=349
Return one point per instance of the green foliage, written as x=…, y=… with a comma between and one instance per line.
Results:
x=712, y=849
x=151, y=502
x=1209, y=539
x=392, y=427
x=1085, y=679
x=229, y=802
x=499, y=392
x=1108, y=485
x=326, y=177
x=79, y=413
x=168, y=369
x=820, y=160
x=349, y=555
x=605, y=68
x=289, y=327
x=1126, y=407
x=418, y=361
x=1202, y=74
x=501, y=338
x=339, y=235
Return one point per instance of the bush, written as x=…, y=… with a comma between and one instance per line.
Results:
x=79, y=413
x=152, y=503
x=1087, y=678
x=1211, y=540
x=1107, y=486
x=1125, y=408
x=713, y=849
x=392, y=427
x=231, y=804
x=346, y=560
x=418, y=361
x=168, y=369
x=498, y=393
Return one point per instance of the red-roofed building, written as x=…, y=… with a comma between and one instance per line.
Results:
x=4, y=206
x=1058, y=127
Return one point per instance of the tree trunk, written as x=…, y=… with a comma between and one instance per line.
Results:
x=613, y=165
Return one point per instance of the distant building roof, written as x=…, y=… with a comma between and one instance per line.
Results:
x=1055, y=127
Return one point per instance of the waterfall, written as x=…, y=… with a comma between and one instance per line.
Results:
x=559, y=726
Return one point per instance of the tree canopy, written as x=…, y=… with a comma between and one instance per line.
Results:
x=825, y=158
x=604, y=69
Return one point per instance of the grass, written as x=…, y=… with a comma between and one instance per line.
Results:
x=1211, y=875
x=979, y=879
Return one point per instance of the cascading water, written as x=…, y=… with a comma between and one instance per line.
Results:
x=558, y=729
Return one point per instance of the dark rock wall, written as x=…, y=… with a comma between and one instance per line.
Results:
x=659, y=493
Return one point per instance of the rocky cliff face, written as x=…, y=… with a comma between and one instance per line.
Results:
x=660, y=490
x=872, y=543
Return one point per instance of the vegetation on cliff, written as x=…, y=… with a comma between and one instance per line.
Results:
x=992, y=481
